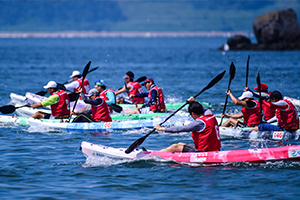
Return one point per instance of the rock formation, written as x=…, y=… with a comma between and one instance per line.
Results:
x=278, y=30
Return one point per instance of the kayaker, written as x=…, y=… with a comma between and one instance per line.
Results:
x=58, y=101
x=268, y=112
x=250, y=111
x=156, y=101
x=77, y=80
x=107, y=94
x=99, y=109
x=204, y=130
x=286, y=114
x=134, y=88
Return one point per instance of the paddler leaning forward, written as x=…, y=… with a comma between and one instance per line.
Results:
x=204, y=130
x=58, y=101
x=156, y=101
x=99, y=111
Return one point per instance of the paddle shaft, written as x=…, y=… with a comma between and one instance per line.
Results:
x=247, y=71
x=259, y=92
x=232, y=73
x=138, y=142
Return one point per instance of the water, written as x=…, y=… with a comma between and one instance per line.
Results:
x=38, y=164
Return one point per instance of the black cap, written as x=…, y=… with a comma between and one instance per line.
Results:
x=276, y=95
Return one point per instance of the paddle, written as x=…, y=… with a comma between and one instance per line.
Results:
x=61, y=86
x=10, y=108
x=138, y=142
x=84, y=73
x=232, y=73
x=141, y=79
x=259, y=92
x=116, y=107
x=247, y=71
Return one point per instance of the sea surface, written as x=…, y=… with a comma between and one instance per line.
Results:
x=42, y=164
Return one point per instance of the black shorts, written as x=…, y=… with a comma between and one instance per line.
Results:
x=47, y=116
x=189, y=148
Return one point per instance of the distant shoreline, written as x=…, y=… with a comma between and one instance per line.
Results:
x=129, y=34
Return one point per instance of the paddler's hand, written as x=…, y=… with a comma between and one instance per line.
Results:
x=225, y=115
x=159, y=128
x=139, y=108
x=79, y=90
x=73, y=113
x=228, y=92
x=131, y=96
x=246, y=88
x=191, y=99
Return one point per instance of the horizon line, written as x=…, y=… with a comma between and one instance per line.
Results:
x=125, y=34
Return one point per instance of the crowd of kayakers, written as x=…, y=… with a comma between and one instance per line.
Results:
x=257, y=114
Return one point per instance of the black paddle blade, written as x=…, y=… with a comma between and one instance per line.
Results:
x=7, y=109
x=247, y=70
x=232, y=71
x=61, y=86
x=141, y=79
x=73, y=96
x=41, y=93
x=137, y=143
x=258, y=80
x=116, y=108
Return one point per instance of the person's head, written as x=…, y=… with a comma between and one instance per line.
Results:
x=195, y=109
x=246, y=96
x=100, y=85
x=129, y=76
x=93, y=93
x=51, y=87
x=148, y=83
x=263, y=87
x=75, y=75
x=276, y=96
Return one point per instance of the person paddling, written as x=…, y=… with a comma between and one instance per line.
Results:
x=99, y=109
x=77, y=80
x=59, y=102
x=133, y=87
x=286, y=114
x=204, y=130
x=250, y=111
x=107, y=94
x=156, y=101
x=268, y=112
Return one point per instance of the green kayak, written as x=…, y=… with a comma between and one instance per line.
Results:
x=169, y=106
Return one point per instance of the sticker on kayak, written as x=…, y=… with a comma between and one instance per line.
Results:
x=294, y=153
x=95, y=153
x=107, y=124
x=278, y=135
x=199, y=157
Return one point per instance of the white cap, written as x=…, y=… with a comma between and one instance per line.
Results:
x=75, y=73
x=50, y=84
x=246, y=94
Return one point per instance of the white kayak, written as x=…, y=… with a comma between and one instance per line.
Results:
x=284, y=153
x=245, y=133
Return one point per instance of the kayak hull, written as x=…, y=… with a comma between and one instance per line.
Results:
x=232, y=156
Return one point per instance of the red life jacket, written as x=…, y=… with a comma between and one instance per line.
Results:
x=269, y=112
x=159, y=104
x=62, y=107
x=136, y=88
x=207, y=139
x=85, y=86
x=103, y=96
x=100, y=113
x=252, y=115
x=288, y=118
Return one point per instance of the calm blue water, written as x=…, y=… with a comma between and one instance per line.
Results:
x=49, y=165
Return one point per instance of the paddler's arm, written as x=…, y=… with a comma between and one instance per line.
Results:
x=235, y=100
x=71, y=86
x=152, y=99
x=193, y=126
x=123, y=89
x=47, y=102
x=111, y=96
x=94, y=102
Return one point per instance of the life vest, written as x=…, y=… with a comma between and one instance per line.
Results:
x=100, y=113
x=62, y=107
x=252, y=115
x=288, y=118
x=159, y=104
x=207, y=139
x=269, y=112
x=136, y=88
x=85, y=86
x=103, y=96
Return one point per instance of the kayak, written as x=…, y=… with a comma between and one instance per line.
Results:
x=296, y=102
x=104, y=126
x=245, y=133
x=169, y=106
x=216, y=157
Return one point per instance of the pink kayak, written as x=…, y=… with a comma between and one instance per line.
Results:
x=231, y=156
